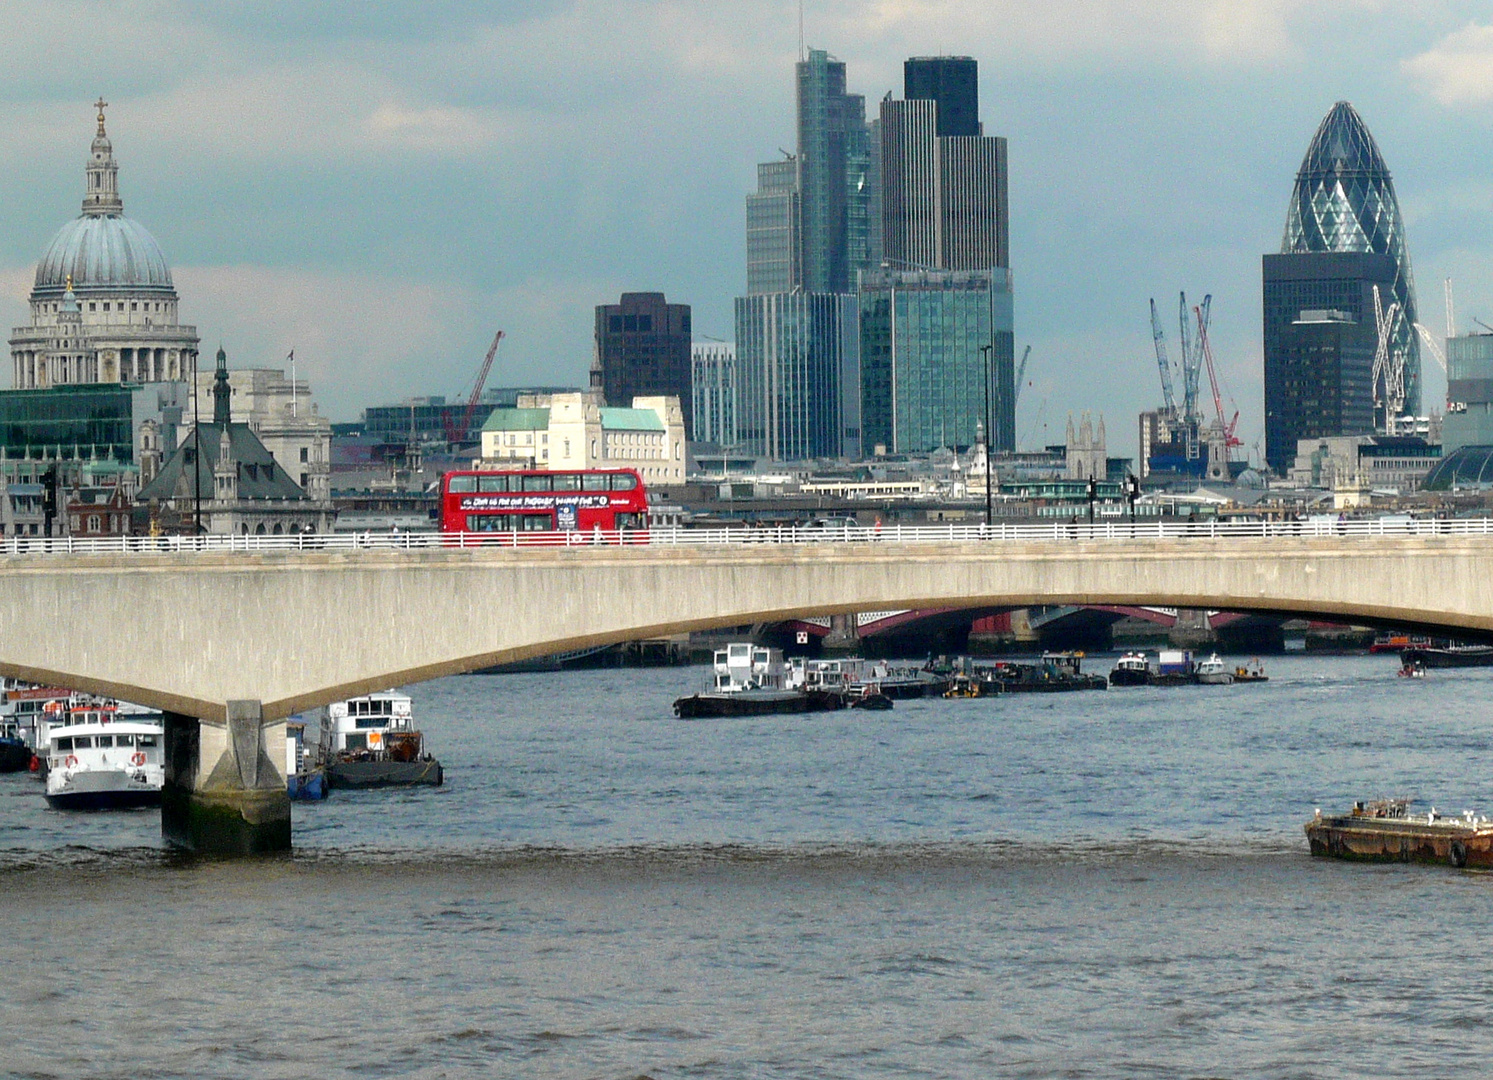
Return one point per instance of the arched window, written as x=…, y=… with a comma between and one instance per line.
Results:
x=259, y=529
x=279, y=529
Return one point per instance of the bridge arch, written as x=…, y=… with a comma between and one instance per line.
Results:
x=191, y=632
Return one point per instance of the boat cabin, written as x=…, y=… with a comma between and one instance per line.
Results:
x=744, y=666
x=113, y=745
x=365, y=723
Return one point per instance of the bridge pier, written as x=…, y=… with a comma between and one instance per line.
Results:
x=225, y=786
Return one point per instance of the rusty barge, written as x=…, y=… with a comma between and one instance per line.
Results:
x=1383, y=831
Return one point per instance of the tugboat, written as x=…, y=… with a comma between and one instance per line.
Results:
x=1057, y=673
x=1132, y=669
x=371, y=742
x=1383, y=831
x=752, y=680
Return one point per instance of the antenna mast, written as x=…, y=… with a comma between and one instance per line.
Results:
x=1451, y=321
x=800, y=30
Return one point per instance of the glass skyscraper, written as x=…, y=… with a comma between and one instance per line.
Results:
x=922, y=368
x=794, y=354
x=1344, y=201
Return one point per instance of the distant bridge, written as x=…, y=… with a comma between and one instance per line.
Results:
x=241, y=638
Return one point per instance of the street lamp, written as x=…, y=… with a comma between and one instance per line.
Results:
x=985, y=351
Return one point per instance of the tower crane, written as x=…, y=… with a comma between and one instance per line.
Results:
x=1428, y=339
x=1161, y=361
x=456, y=433
x=1020, y=377
x=1229, y=438
x=1389, y=365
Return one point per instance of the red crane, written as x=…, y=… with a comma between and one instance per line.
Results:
x=1227, y=428
x=457, y=433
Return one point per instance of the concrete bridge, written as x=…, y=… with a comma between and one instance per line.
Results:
x=230, y=643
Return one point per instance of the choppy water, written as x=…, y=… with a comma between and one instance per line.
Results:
x=1085, y=885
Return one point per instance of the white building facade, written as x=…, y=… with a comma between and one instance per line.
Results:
x=280, y=411
x=575, y=431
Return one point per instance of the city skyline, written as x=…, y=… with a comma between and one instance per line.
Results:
x=383, y=194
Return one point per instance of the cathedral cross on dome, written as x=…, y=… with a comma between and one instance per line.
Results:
x=100, y=105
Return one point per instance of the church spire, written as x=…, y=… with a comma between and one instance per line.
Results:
x=221, y=391
x=101, y=199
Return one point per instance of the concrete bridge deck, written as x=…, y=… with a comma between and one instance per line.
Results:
x=229, y=642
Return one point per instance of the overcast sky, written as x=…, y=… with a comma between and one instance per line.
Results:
x=382, y=186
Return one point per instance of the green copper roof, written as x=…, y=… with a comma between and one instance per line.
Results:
x=630, y=420
x=518, y=420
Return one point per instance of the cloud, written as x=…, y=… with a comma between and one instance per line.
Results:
x=1458, y=70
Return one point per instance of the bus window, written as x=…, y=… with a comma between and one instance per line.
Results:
x=462, y=485
x=568, y=481
x=537, y=522
x=593, y=481
x=629, y=521
x=538, y=482
x=624, y=481
x=492, y=483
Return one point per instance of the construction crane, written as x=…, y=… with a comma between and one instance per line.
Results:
x=1229, y=438
x=1428, y=339
x=1192, y=355
x=458, y=433
x=1161, y=361
x=1389, y=365
x=1020, y=377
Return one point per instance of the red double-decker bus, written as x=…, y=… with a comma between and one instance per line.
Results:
x=534, y=500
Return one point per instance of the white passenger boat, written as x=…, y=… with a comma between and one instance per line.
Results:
x=1213, y=672
x=98, y=761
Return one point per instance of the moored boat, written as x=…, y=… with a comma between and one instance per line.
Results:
x=100, y=762
x=753, y=680
x=371, y=741
x=1055, y=673
x=15, y=754
x=1254, y=671
x=1452, y=656
x=1132, y=669
x=1384, y=831
x=304, y=777
x=1174, y=667
x=1213, y=672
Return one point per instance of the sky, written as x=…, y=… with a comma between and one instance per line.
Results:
x=383, y=186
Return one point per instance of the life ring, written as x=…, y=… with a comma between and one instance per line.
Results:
x=1459, y=854
x=70, y=761
x=137, y=758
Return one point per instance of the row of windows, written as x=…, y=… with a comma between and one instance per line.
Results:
x=93, y=305
x=104, y=742
x=502, y=482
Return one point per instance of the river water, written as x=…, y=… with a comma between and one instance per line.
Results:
x=1085, y=885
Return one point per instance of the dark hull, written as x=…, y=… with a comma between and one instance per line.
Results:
x=104, y=800
x=1172, y=678
x=1250, y=678
x=914, y=688
x=748, y=703
x=1475, y=656
x=345, y=775
x=1054, y=686
x=1127, y=677
x=15, y=756
x=1369, y=839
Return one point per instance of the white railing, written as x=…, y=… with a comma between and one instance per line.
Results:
x=1056, y=532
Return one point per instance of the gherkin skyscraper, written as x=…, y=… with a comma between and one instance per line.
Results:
x=1344, y=201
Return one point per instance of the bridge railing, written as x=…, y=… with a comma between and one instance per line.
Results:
x=1059, y=532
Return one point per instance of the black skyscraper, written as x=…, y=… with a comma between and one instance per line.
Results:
x=953, y=82
x=643, y=350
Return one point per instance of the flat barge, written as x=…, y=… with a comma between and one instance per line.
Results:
x=1383, y=831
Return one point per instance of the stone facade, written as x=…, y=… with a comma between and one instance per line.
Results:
x=576, y=431
x=103, y=308
x=286, y=420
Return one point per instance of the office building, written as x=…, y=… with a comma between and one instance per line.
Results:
x=953, y=83
x=577, y=431
x=1469, y=392
x=922, y=364
x=1319, y=342
x=713, y=382
x=103, y=308
x=798, y=375
x=772, y=229
x=944, y=202
x=642, y=349
x=1343, y=203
